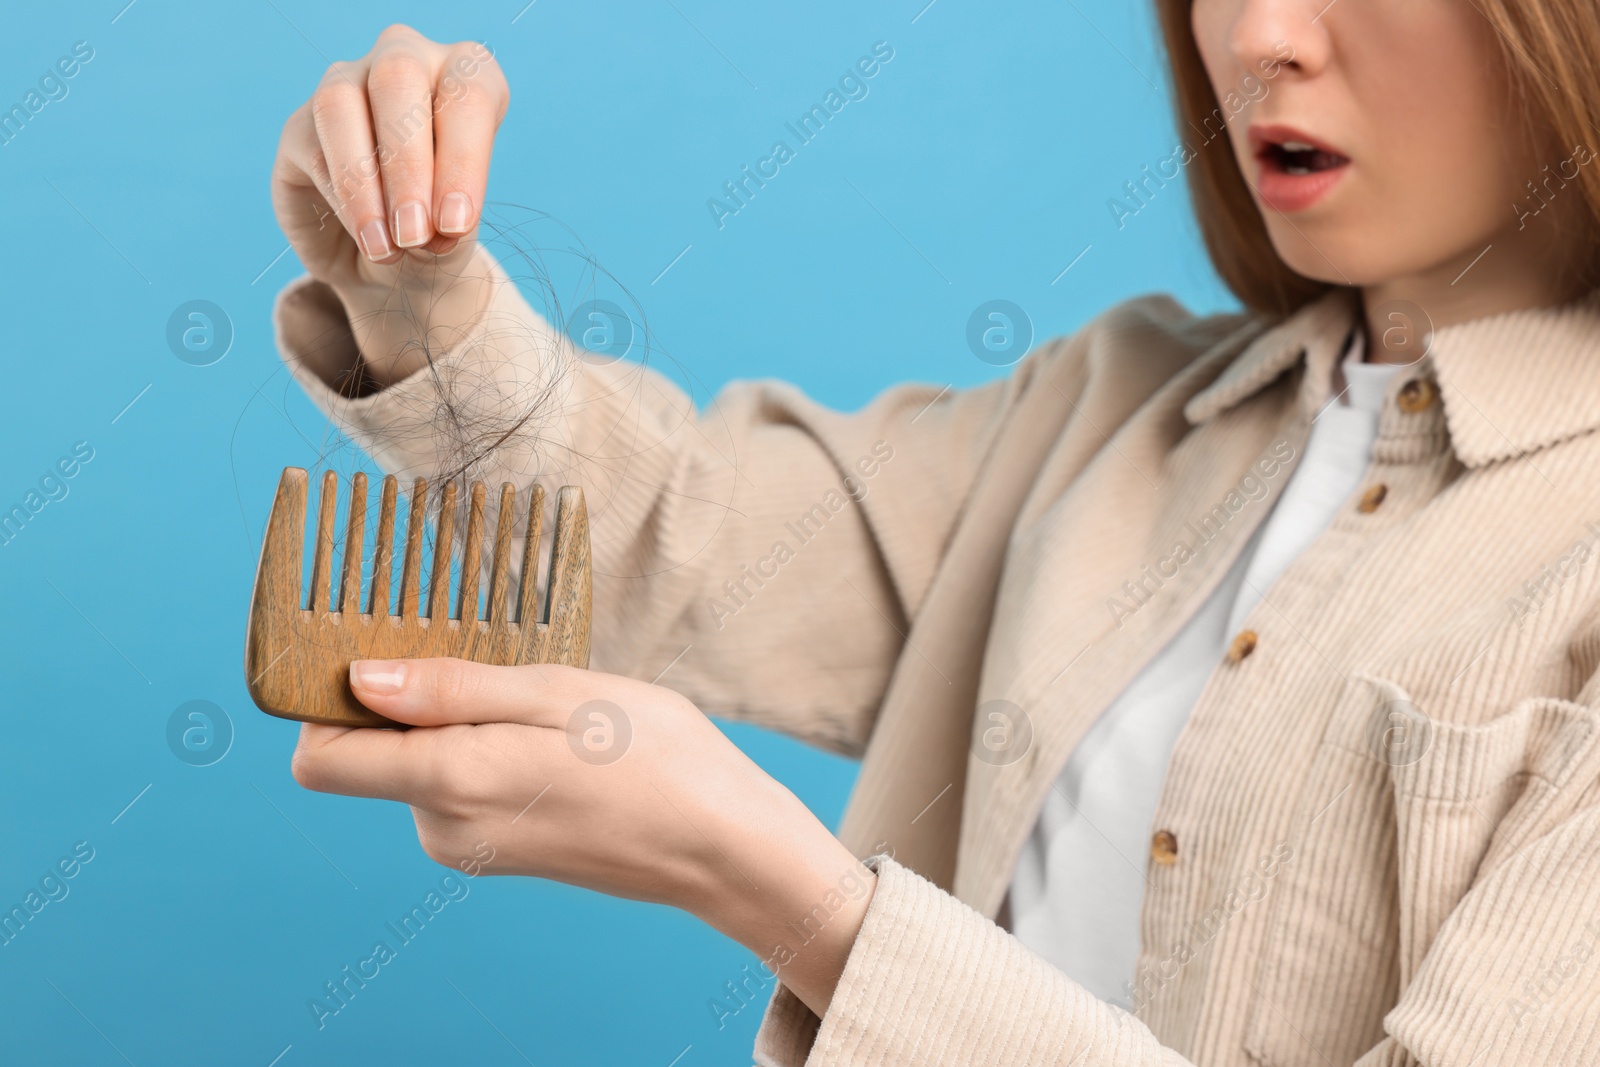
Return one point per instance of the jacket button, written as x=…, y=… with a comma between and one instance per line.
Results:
x=1417, y=395
x=1372, y=498
x=1164, y=847
x=1243, y=644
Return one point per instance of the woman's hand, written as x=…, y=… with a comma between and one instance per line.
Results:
x=603, y=782
x=379, y=184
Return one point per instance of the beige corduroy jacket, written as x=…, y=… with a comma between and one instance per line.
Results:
x=1378, y=841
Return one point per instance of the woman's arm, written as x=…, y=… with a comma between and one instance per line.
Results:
x=766, y=552
x=607, y=783
x=626, y=788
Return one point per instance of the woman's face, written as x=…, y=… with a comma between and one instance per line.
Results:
x=1388, y=145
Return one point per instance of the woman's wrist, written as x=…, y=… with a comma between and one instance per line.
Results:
x=788, y=890
x=397, y=326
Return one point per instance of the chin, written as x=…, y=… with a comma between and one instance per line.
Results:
x=1338, y=253
x=1374, y=249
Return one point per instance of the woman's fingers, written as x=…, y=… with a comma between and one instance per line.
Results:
x=395, y=147
x=400, y=91
x=344, y=128
x=355, y=762
x=472, y=99
x=302, y=195
x=407, y=134
x=439, y=691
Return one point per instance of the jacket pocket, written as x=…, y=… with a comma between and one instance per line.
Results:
x=1403, y=811
x=1470, y=797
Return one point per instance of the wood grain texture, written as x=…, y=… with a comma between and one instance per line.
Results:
x=297, y=656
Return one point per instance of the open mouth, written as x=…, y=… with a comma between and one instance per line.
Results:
x=1295, y=169
x=1299, y=158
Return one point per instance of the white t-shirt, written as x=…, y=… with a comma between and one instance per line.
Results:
x=1079, y=882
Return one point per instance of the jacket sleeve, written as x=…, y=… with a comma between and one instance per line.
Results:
x=762, y=556
x=930, y=981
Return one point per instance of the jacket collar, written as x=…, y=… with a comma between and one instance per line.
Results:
x=1511, y=383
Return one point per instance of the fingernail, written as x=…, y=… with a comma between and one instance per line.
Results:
x=410, y=224
x=383, y=676
x=375, y=240
x=455, y=213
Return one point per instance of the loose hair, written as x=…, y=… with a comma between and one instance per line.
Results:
x=1551, y=49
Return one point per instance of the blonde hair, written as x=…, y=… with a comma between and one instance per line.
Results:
x=1551, y=49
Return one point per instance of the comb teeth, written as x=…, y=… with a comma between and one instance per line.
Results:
x=298, y=650
x=467, y=602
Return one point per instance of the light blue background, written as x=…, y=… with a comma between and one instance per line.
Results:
x=221, y=900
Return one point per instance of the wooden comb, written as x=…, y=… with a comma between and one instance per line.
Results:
x=297, y=659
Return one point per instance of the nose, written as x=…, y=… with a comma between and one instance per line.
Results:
x=1290, y=33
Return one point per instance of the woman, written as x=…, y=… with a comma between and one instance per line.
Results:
x=1243, y=666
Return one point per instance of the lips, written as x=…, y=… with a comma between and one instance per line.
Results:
x=1294, y=169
